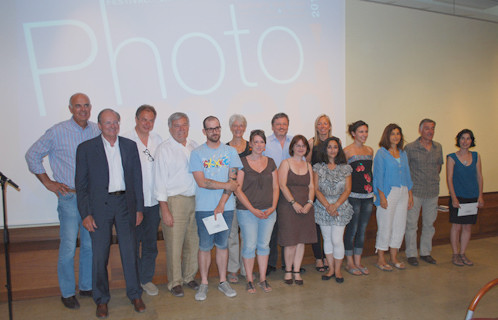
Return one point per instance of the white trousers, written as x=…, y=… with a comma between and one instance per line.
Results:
x=333, y=240
x=391, y=222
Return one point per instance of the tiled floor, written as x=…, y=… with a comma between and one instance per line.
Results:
x=443, y=291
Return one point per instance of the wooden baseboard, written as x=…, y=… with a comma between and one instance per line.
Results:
x=34, y=251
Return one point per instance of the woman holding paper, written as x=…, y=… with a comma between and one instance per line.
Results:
x=257, y=197
x=464, y=178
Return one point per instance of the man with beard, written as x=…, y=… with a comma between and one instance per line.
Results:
x=214, y=166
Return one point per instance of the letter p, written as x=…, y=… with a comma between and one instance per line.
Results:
x=38, y=72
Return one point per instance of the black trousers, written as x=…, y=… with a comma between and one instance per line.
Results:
x=117, y=214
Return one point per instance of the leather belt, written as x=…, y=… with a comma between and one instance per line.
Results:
x=117, y=193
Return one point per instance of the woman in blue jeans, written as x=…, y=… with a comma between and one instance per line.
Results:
x=257, y=198
x=360, y=158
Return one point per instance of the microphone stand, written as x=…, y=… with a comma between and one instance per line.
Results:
x=4, y=181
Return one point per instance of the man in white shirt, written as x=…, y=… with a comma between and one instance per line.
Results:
x=109, y=192
x=175, y=191
x=147, y=143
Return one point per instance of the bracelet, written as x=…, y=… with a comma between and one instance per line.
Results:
x=309, y=201
x=292, y=202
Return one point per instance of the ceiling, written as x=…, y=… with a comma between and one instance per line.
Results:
x=486, y=10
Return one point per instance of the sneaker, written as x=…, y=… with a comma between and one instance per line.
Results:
x=226, y=289
x=201, y=294
x=150, y=288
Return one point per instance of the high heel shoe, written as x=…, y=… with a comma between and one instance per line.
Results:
x=288, y=281
x=296, y=281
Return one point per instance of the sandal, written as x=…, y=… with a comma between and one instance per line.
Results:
x=466, y=260
x=320, y=268
x=265, y=286
x=384, y=267
x=456, y=259
x=353, y=271
x=398, y=265
x=364, y=270
x=232, y=278
x=250, y=288
x=296, y=281
x=288, y=281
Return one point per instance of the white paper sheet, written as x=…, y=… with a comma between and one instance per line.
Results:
x=467, y=209
x=215, y=226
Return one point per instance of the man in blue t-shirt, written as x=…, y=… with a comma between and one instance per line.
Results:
x=214, y=166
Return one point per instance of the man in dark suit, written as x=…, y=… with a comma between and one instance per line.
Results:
x=109, y=192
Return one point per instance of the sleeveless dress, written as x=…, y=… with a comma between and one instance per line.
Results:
x=294, y=228
x=466, y=188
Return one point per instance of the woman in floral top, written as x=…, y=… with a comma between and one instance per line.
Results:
x=332, y=179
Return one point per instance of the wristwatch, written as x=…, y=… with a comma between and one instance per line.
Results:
x=292, y=202
x=309, y=201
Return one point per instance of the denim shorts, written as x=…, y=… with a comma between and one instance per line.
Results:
x=206, y=240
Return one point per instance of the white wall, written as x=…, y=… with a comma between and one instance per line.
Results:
x=403, y=65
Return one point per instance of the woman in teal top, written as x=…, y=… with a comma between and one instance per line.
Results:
x=392, y=185
x=464, y=177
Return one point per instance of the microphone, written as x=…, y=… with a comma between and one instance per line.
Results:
x=4, y=179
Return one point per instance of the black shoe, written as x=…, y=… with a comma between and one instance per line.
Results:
x=296, y=281
x=339, y=280
x=288, y=281
x=85, y=293
x=428, y=259
x=301, y=270
x=270, y=269
x=70, y=302
x=326, y=278
x=413, y=261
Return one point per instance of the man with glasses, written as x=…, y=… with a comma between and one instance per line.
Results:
x=175, y=191
x=214, y=166
x=59, y=143
x=147, y=143
x=109, y=189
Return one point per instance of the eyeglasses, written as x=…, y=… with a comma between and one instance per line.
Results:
x=149, y=156
x=210, y=130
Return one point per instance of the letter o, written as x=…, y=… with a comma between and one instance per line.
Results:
x=177, y=73
x=260, y=56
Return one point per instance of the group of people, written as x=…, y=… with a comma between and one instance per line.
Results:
x=279, y=190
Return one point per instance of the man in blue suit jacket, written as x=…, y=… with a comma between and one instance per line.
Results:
x=109, y=192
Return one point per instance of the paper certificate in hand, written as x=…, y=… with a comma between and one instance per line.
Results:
x=215, y=226
x=467, y=209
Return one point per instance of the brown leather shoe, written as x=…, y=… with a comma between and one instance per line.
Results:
x=177, y=291
x=193, y=285
x=102, y=311
x=139, y=305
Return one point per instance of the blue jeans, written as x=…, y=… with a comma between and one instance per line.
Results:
x=206, y=240
x=354, y=236
x=70, y=224
x=256, y=233
x=147, y=236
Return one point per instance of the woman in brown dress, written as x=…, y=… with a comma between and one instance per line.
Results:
x=296, y=219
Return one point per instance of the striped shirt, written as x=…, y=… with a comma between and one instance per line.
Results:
x=60, y=143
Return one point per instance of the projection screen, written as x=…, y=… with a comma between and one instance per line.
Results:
x=201, y=57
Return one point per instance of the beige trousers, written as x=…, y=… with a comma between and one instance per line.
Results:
x=182, y=241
